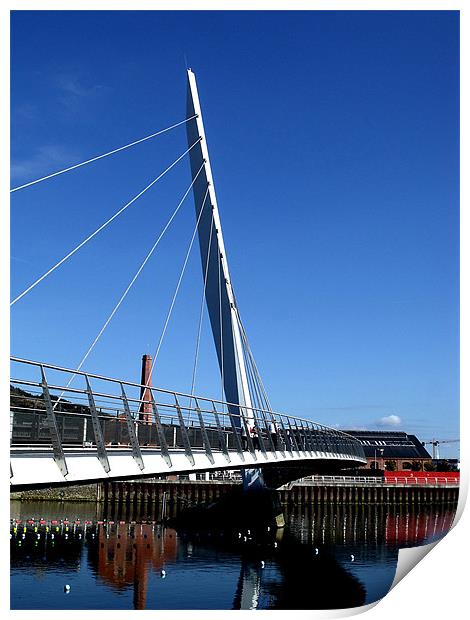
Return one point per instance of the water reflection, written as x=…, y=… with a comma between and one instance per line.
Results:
x=327, y=557
x=125, y=555
x=304, y=578
x=399, y=526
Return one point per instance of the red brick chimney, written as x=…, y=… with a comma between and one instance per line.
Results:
x=145, y=409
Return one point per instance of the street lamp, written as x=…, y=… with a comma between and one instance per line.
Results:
x=381, y=450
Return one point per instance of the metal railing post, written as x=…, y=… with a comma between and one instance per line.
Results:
x=313, y=438
x=136, y=453
x=205, y=437
x=324, y=440
x=306, y=434
x=280, y=446
x=268, y=431
x=300, y=438
x=161, y=434
x=59, y=457
x=287, y=438
x=184, y=433
x=260, y=435
x=220, y=434
x=292, y=438
x=249, y=440
x=100, y=447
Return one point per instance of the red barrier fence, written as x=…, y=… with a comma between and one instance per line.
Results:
x=422, y=477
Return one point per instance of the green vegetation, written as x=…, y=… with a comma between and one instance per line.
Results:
x=20, y=399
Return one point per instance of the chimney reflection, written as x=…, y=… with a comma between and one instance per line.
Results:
x=127, y=553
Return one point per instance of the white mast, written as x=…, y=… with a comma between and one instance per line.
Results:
x=220, y=300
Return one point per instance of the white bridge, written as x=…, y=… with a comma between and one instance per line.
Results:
x=71, y=427
x=111, y=432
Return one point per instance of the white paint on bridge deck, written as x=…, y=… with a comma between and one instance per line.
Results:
x=34, y=466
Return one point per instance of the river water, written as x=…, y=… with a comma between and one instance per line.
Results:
x=325, y=557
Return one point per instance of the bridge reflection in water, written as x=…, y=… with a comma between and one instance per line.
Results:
x=308, y=566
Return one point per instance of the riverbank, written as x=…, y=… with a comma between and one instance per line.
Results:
x=199, y=491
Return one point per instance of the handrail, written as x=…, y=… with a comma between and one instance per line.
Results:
x=165, y=420
x=165, y=391
x=379, y=481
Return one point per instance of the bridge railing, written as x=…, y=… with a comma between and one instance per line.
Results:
x=375, y=481
x=65, y=409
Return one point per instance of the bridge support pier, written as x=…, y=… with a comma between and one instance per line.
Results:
x=236, y=510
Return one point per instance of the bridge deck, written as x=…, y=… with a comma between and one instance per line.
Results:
x=37, y=467
x=111, y=431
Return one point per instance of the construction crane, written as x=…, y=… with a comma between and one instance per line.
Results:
x=435, y=443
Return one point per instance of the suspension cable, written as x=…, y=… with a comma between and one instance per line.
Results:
x=255, y=384
x=222, y=377
x=253, y=362
x=93, y=234
x=201, y=313
x=245, y=338
x=256, y=403
x=131, y=283
x=89, y=161
x=253, y=388
x=258, y=399
x=177, y=288
x=251, y=371
x=259, y=380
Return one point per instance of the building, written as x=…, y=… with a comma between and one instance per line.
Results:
x=392, y=450
x=145, y=409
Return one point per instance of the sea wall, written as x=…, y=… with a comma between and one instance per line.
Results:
x=194, y=492
x=78, y=493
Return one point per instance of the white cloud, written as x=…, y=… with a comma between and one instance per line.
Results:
x=72, y=85
x=390, y=420
x=45, y=160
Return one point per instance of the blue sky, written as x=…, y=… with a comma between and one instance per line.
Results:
x=334, y=140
